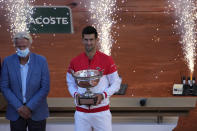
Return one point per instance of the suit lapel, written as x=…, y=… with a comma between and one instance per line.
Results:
x=29, y=70
x=17, y=69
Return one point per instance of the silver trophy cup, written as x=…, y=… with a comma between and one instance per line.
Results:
x=87, y=79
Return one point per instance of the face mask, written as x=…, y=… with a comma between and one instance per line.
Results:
x=22, y=53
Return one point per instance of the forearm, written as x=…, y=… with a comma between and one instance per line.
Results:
x=115, y=82
x=72, y=87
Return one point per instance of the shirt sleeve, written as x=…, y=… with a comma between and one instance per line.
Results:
x=113, y=78
x=114, y=82
x=111, y=67
x=72, y=86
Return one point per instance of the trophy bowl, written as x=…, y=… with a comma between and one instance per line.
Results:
x=87, y=78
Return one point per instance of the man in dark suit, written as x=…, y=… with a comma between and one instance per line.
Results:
x=25, y=85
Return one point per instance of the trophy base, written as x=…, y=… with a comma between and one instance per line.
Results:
x=87, y=101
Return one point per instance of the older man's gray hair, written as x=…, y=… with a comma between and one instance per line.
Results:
x=20, y=35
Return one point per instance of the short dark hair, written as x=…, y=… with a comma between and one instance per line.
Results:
x=89, y=30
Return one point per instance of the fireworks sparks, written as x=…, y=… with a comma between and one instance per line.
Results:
x=186, y=12
x=102, y=13
x=18, y=13
x=103, y=18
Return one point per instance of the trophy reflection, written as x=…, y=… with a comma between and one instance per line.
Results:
x=87, y=79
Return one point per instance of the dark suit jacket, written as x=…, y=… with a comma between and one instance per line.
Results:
x=37, y=88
